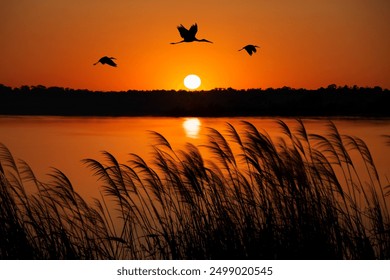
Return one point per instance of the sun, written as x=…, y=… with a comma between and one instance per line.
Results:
x=192, y=81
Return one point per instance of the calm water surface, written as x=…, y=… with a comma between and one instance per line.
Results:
x=62, y=142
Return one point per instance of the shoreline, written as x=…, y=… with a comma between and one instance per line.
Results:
x=216, y=103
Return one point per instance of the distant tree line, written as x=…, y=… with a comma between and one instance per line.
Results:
x=332, y=88
x=332, y=100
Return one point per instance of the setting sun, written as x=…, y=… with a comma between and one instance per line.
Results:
x=192, y=81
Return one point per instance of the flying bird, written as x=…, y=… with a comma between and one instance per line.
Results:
x=107, y=60
x=250, y=49
x=189, y=35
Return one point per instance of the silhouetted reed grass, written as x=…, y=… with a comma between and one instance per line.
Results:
x=299, y=196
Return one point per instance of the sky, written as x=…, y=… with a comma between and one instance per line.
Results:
x=303, y=43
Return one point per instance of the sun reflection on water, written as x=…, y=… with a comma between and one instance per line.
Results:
x=192, y=127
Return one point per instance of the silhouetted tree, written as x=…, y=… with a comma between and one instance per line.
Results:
x=5, y=89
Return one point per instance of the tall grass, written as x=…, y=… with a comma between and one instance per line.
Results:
x=300, y=196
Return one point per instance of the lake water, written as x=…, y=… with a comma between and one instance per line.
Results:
x=62, y=142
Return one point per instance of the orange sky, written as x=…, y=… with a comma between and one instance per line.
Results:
x=304, y=43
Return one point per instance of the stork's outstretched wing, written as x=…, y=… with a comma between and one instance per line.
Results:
x=250, y=49
x=183, y=31
x=193, y=30
x=110, y=62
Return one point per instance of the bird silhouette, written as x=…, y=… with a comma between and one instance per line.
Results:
x=250, y=49
x=107, y=60
x=189, y=35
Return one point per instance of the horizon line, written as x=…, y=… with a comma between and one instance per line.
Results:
x=329, y=87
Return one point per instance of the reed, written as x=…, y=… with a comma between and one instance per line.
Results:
x=300, y=196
